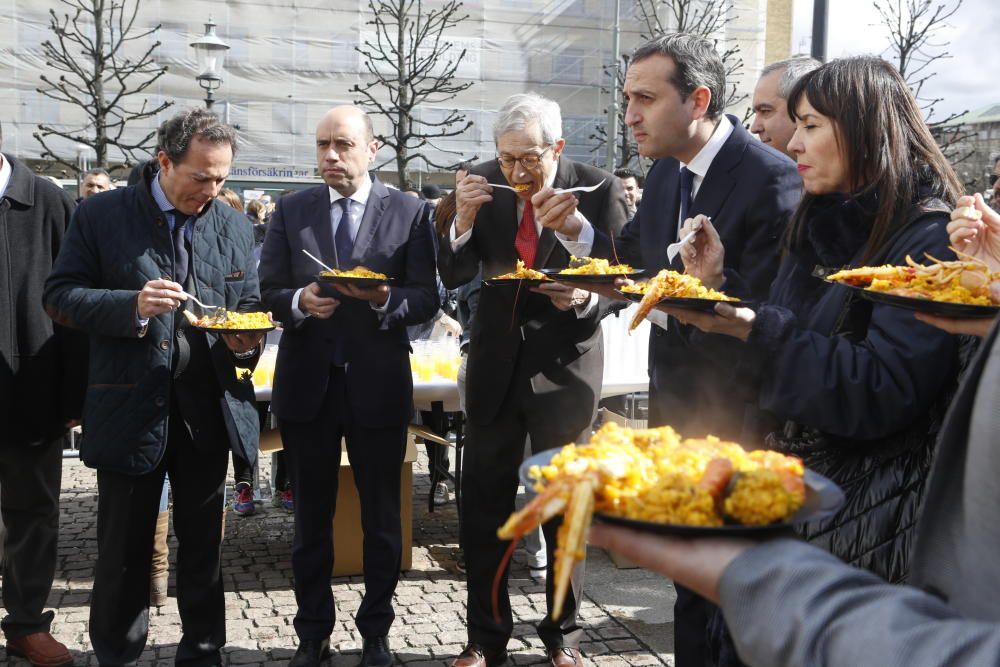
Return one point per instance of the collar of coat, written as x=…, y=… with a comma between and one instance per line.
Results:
x=21, y=187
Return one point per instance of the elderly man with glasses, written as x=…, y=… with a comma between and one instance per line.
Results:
x=535, y=356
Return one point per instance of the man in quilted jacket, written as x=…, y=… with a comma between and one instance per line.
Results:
x=163, y=397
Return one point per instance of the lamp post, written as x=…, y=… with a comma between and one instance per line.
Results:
x=211, y=52
x=82, y=164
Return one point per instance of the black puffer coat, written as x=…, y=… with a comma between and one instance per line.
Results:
x=117, y=242
x=863, y=384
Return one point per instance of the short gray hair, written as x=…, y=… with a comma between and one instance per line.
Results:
x=792, y=70
x=174, y=136
x=696, y=63
x=520, y=111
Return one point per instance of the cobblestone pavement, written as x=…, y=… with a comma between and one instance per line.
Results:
x=260, y=604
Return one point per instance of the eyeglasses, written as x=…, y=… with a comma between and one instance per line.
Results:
x=529, y=162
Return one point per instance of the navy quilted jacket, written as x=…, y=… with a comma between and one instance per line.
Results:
x=117, y=241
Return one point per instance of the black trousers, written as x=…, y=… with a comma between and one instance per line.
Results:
x=492, y=456
x=29, y=502
x=691, y=617
x=127, y=506
x=313, y=458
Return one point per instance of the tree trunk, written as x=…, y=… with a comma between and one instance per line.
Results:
x=100, y=108
x=403, y=111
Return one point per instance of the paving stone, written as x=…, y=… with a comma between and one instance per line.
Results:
x=260, y=602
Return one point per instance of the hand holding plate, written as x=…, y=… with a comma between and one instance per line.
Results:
x=729, y=321
x=376, y=295
x=312, y=302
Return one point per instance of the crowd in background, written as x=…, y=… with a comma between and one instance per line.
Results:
x=899, y=410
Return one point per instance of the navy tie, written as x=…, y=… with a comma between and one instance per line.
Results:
x=342, y=239
x=181, y=255
x=687, y=181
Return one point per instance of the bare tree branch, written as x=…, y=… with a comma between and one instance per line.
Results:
x=707, y=18
x=411, y=63
x=89, y=49
x=912, y=27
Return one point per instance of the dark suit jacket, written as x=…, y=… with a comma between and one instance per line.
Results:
x=750, y=192
x=517, y=331
x=395, y=239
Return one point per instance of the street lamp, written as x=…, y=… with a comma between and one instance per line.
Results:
x=211, y=52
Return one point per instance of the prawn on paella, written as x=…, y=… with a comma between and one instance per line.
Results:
x=966, y=280
x=665, y=284
x=652, y=475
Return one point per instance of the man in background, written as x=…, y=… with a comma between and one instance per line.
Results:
x=94, y=181
x=633, y=193
x=41, y=388
x=771, y=122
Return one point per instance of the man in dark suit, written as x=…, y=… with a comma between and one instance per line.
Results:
x=706, y=164
x=343, y=369
x=535, y=357
x=164, y=398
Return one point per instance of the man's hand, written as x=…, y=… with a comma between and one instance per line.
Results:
x=603, y=289
x=557, y=211
x=563, y=296
x=968, y=327
x=312, y=301
x=697, y=563
x=242, y=342
x=471, y=192
x=450, y=325
x=728, y=321
x=703, y=256
x=374, y=295
x=975, y=230
x=159, y=296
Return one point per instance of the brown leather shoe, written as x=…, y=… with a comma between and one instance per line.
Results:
x=566, y=657
x=475, y=655
x=41, y=650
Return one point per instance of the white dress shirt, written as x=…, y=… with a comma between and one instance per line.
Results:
x=698, y=166
x=701, y=162
x=355, y=212
x=5, y=172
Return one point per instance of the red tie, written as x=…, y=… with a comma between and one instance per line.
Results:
x=526, y=240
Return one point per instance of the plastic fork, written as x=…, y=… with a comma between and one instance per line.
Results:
x=582, y=188
x=675, y=248
x=217, y=312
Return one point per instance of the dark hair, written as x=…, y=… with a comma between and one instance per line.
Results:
x=888, y=149
x=174, y=136
x=97, y=171
x=431, y=191
x=696, y=63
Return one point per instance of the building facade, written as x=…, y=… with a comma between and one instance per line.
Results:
x=289, y=64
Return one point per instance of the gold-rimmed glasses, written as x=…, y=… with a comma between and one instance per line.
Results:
x=529, y=161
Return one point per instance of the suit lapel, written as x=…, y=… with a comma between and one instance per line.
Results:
x=565, y=178
x=320, y=230
x=663, y=232
x=377, y=201
x=719, y=181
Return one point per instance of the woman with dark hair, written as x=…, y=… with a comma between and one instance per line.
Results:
x=858, y=391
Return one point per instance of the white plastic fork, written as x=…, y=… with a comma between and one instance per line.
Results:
x=675, y=248
x=210, y=311
x=582, y=188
